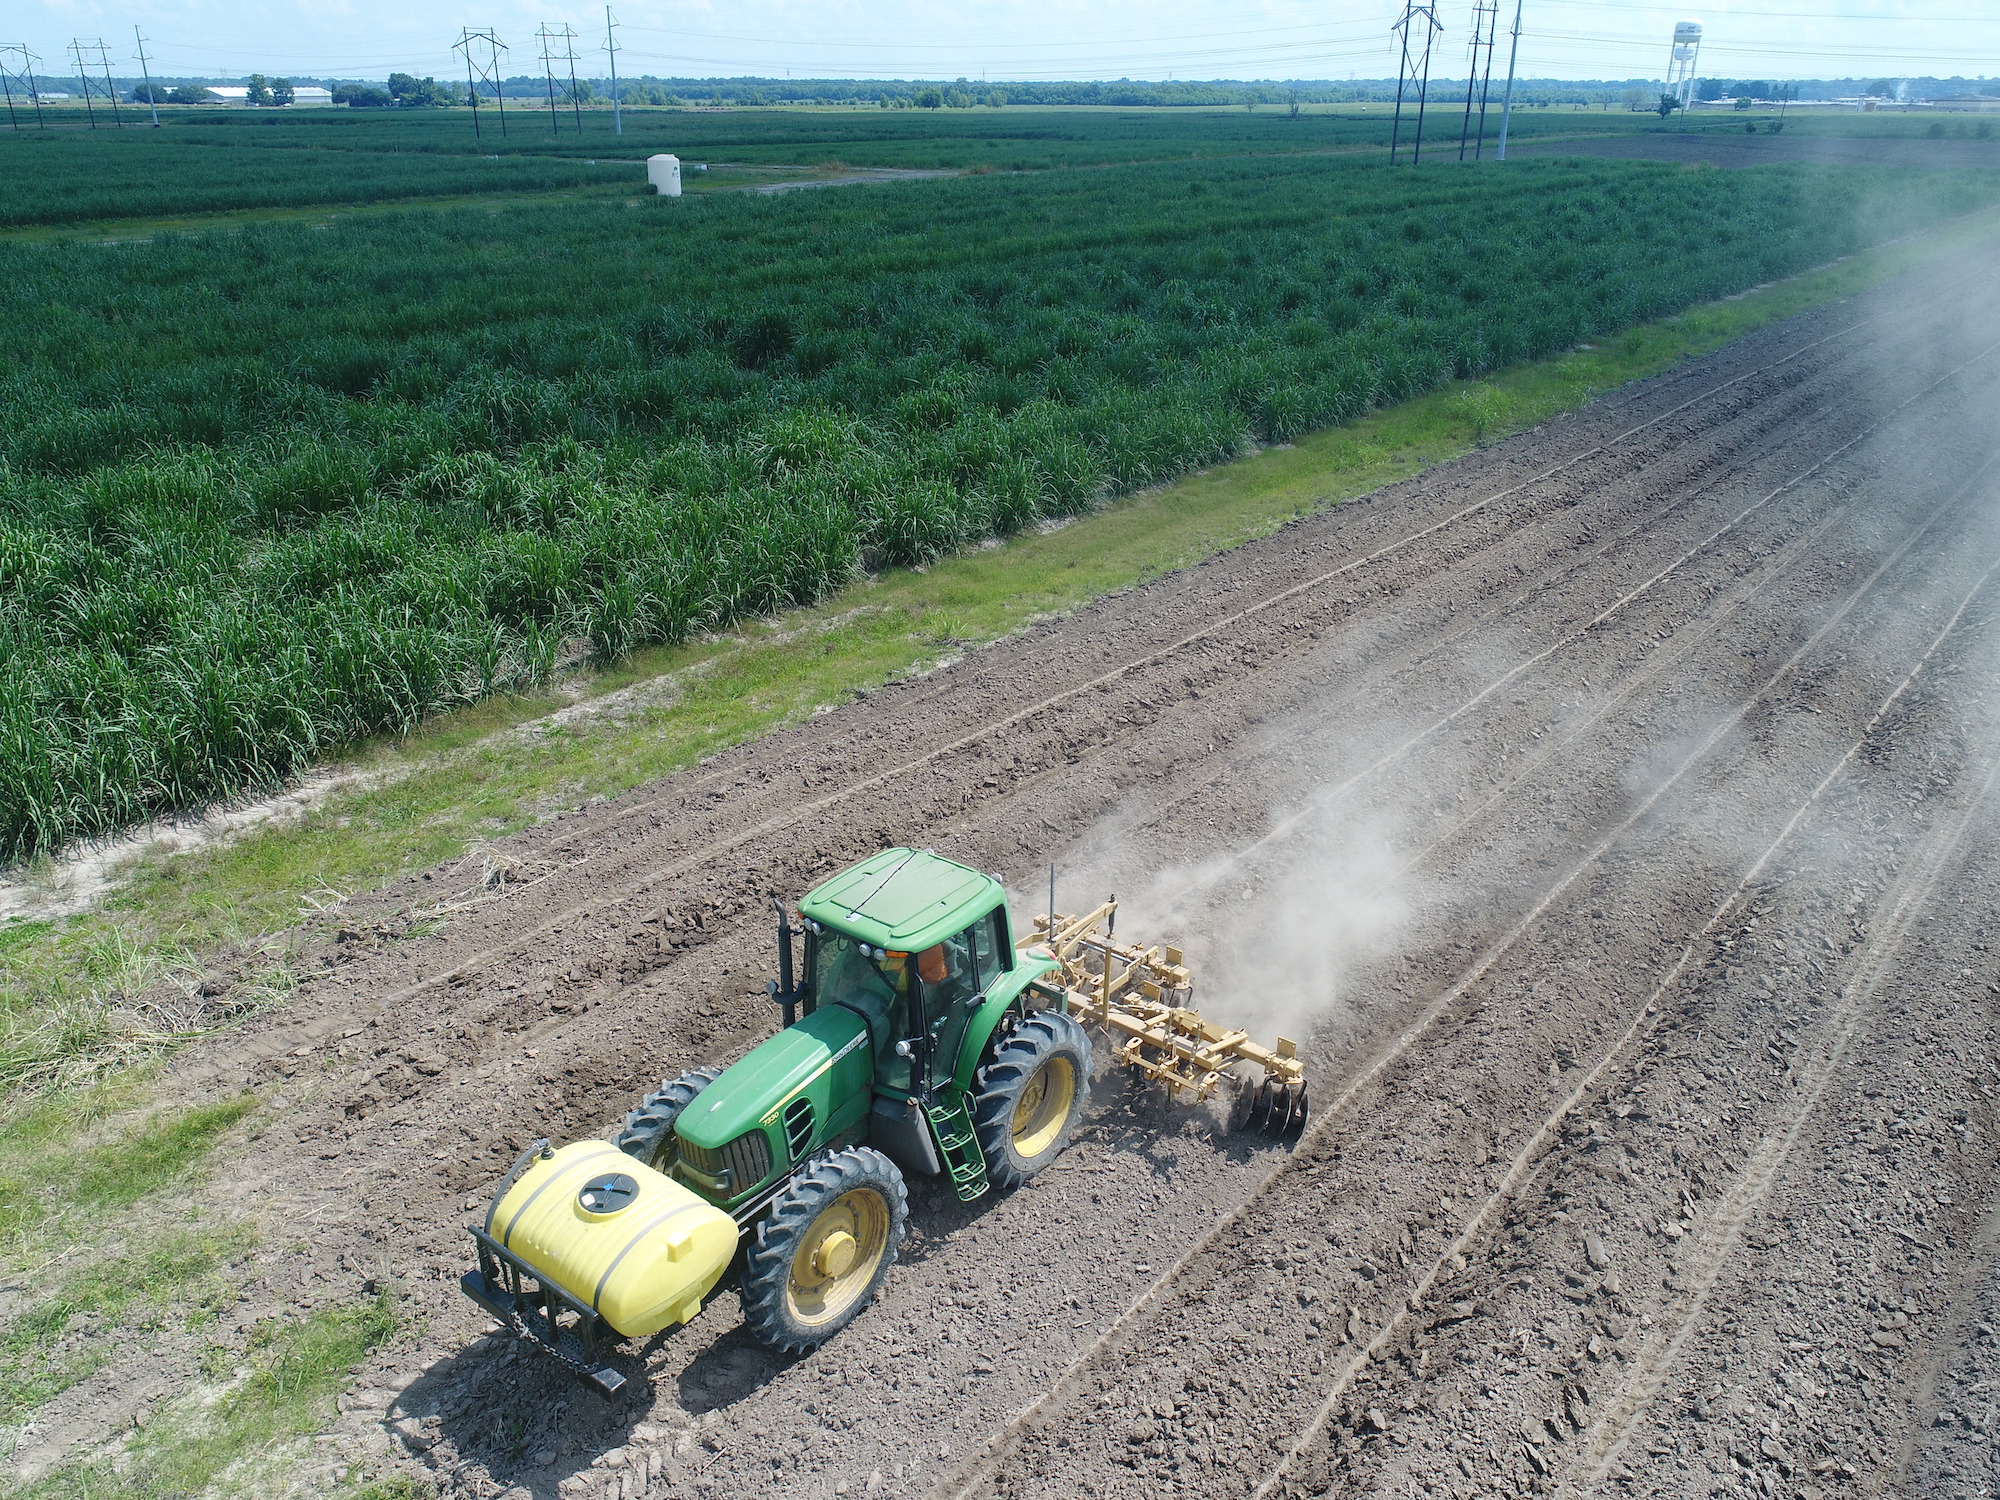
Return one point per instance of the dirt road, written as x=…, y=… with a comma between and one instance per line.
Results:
x=1612, y=810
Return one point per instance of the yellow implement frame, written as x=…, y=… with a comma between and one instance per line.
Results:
x=1142, y=999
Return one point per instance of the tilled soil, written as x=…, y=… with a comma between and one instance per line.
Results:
x=1609, y=814
x=1725, y=144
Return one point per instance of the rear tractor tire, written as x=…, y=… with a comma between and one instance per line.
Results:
x=824, y=1250
x=649, y=1129
x=1028, y=1098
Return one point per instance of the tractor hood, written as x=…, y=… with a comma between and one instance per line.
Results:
x=754, y=1090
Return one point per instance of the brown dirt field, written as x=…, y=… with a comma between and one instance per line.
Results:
x=1726, y=144
x=1612, y=811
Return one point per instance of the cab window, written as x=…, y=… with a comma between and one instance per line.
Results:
x=989, y=949
x=877, y=988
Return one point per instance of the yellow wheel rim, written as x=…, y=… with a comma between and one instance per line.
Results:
x=1044, y=1107
x=837, y=1256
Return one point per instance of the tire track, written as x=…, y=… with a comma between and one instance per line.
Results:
x=972, y=1478
x=1332, y=794
x=1754, y=1181
x=717, y=846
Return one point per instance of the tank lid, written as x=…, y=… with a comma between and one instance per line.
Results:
x=607, y=1194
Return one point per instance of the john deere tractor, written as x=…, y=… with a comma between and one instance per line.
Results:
x=917, y=1037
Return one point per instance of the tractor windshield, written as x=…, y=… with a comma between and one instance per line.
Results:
x=843, y=974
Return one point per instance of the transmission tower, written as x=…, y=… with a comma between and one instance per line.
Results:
x=477, y=72
x=146, y=73
x=547, y=37
x=1414, y=71
x=76, y=54
x=575, y=94
x=24, y=74
x=1485, y=32
x=611, y=46
x=110, y=90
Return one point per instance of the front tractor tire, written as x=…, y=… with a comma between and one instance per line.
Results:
x=824, y=1250
x=1028, y=1099
x=649, y=1129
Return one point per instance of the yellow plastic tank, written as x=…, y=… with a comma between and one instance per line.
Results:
x=627, y=1241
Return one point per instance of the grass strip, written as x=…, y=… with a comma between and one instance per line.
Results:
x=491, y=768
x=160, y=1283
x=47, y=1179
x=294, y=1368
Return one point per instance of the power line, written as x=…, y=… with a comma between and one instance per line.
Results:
x=1370, y=26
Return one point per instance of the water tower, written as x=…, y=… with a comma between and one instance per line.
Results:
x=1681, y=62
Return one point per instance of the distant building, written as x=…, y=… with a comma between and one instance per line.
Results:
x=236, y=93
x=48, y=98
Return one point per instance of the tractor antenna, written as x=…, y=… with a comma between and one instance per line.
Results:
x=1052, y=904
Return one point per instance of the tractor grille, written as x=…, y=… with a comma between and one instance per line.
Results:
x=746, y=1159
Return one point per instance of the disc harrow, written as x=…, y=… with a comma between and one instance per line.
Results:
x=1142, y=1000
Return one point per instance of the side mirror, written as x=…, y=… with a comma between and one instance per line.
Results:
x=905, y=1050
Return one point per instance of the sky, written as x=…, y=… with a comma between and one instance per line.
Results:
x=1010, y=39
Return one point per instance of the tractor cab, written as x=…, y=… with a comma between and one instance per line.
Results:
x=914, y=945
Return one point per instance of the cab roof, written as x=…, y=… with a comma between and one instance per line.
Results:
x=903, y=899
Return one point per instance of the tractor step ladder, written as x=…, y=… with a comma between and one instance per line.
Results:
x=950, y=1117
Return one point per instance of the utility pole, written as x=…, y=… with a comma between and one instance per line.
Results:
x=76, y=51
x=7, y=87
x=1507, y=107
x=1414, y=69
x=545, y=36
x=611, y=46
x=146, y=73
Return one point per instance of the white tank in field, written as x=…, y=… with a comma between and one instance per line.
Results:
x=664, y=173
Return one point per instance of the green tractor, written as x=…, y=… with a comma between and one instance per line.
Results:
x=918, y=1036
